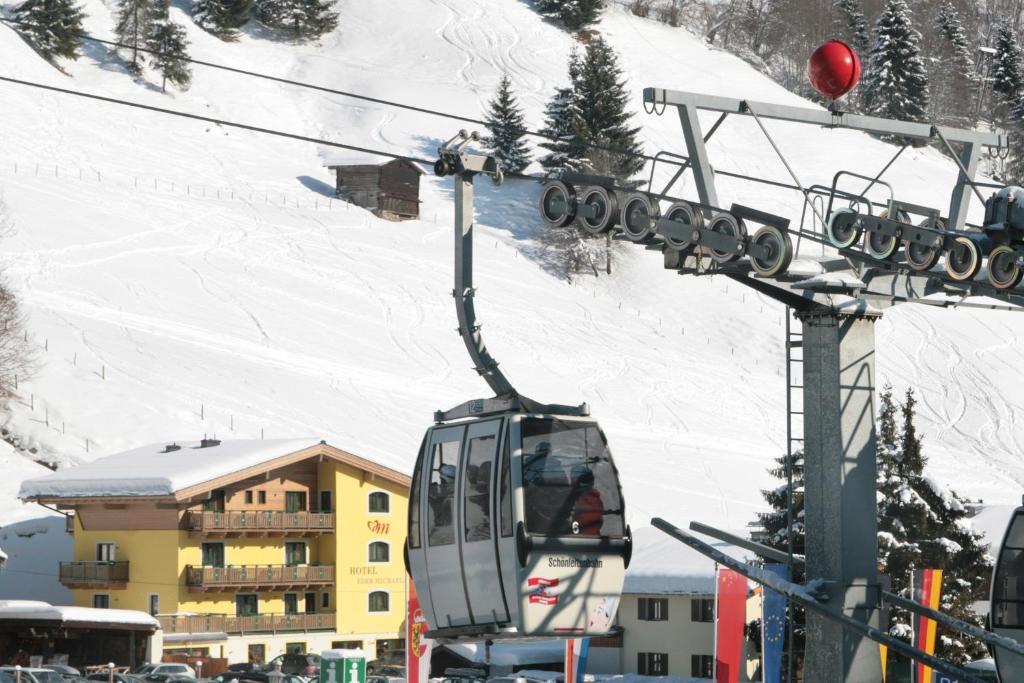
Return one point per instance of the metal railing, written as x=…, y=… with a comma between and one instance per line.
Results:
x=259, y=575
x=94, y=572
x=251, y=623
x=259, y=521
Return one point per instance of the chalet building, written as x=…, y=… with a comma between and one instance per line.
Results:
x=242, y=550
x=666, y=616
x=390, y=190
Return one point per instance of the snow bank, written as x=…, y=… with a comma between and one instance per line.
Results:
x=154, y=471
x=37, y=610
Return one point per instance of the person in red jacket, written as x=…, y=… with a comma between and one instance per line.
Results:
x=588, y=510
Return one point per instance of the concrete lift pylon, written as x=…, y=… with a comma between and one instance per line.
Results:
x=838, y=319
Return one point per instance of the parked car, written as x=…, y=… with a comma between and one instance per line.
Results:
x=245, y=667
x=254, y=677
x=298, y=664
x=118, y=678
x=6, y=678
x=68, y=672
x=30, y=675
x=166, y=668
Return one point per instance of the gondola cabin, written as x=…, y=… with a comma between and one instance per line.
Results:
x=1007, y=613
x=391, y=190
x=517, y=528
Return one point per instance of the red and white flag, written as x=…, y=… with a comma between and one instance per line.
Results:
x=731, y=616
x=417, y=646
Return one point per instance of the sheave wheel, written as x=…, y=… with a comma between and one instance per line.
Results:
x=557, y=204
x=606, y=210
x=1003, y=271
x=842, y=231
x=920, y=257
x=727, y=224
x=639, y=213
x=778, y=248
x=683, y=212
x=881, y=246
x=963, y=261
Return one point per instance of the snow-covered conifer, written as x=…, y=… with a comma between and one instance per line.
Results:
x=170, y=54
x=222, y=18
x=134, y=26
x=1007, y=76
x=507, y=124
x=558, y=117
x=896, y=85
x=53, y=26
x=574, y=14
x=853, y=25
x=951, y=73
x=298, y=19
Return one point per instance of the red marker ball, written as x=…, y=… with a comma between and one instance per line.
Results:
x=834, y=69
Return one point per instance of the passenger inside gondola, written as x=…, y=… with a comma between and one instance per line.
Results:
x=570, y=485
x=441, y=495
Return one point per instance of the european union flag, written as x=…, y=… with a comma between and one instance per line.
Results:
x=773, y=628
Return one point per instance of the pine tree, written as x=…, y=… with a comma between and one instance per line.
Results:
x=558, y=117
x=222, y=18
x=574, y=14
x=951, y=72
x=601, y=114
x=922, y=524
x=170, y=54
x=896, y=86
x=53, y=26
x=853, y=25
x=298, y=19
x=1007, y=77
x=134, y=26
x=507, y=124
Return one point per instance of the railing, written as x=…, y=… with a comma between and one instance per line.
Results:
x=259, y=521
x=259, y=575
x=97, y=573
x=255, y=623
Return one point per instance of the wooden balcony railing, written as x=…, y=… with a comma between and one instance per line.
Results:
x=257, y=576
x=259, y=523
x=255, y=623
x=94, y=574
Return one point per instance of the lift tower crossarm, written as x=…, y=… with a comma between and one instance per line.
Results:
x=454, y=159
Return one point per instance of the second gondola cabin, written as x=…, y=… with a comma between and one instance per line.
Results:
x=1007, y=610
x=390, y=190
x=517, y=528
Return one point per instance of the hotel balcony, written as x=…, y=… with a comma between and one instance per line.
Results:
x=257, y=577
x=258, y=523
x=254, y=623
x=113, y=575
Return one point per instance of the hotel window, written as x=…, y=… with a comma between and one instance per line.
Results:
x=652, y=663
x=379, y=601
x=652, y=609
x=702, y=666
x=215, y=503
x=257, y=653
x=294, y=501
x=380, y=552
x=213, y=554
x=702, y=609
x=154, y=604
x=380, y=502
x=106, y=552
x=294, y=553
x=261, y=497
x=291, y=603
x=325, y=601
x=310, y=603
x=101, y=600
x=247, y=604
x=295, y=648
x=325, y=501
x=248, y=497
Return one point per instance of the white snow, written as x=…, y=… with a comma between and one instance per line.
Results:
x=154, y=471
x=183, y=278
x=37, y=610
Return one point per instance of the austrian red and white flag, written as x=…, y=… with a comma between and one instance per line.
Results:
x=417, y=647
x=730, y=617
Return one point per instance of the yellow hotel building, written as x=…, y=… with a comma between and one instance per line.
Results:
x=242, y=549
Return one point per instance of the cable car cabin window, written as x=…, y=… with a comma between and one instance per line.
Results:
x=506, y=492
x=569, y=482
x=441, y=496
x=1008, y=592
x=414, y=502
x=477, y=497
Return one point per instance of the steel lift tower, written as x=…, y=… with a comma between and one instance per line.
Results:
x=837, y=310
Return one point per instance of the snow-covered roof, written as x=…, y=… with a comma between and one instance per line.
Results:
x=154, y=471
x=36, y=610
x=662, y=565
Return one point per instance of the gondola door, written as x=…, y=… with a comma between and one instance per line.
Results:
x=480, y=564
x=1008, y=598
x=447, y=596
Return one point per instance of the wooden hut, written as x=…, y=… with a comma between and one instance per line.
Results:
x=390, y=190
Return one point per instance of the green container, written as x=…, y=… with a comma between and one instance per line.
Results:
x=342, y=666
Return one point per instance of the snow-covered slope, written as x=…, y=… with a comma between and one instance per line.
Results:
x=185, y=279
